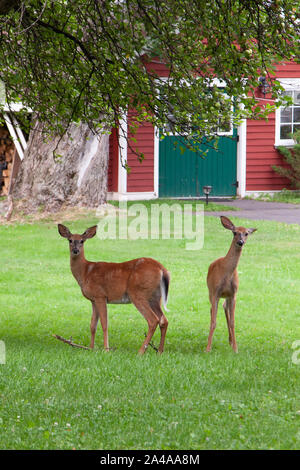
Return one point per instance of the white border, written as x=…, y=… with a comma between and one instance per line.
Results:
x=289, y=84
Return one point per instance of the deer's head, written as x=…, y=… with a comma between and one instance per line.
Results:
x=240, y=234
x=76, y=241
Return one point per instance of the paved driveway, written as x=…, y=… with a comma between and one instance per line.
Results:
x=259, y=210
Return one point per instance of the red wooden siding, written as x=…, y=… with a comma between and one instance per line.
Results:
x=261, y=153
x=158, y=67
x=288, y=70
x=113, y=162
x=141, y=176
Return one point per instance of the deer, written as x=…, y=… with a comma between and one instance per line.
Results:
x=223, y=281
x=143, y=282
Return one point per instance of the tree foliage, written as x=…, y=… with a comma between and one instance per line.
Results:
x=88, y=60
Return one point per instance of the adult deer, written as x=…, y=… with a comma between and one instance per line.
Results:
x=223, y=282
x=142, y=281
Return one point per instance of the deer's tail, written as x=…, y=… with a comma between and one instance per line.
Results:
x=164, y=288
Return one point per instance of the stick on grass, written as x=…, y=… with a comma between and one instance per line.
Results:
x=70, y=342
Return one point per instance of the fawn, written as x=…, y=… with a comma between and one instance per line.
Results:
x=223, y=282
x=142, y=281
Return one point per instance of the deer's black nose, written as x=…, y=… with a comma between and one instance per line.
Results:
x=240, y=243
x=75, y=252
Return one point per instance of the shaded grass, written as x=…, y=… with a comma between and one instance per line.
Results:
x=52, y=396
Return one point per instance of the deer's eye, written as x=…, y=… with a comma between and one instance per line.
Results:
x=234, y=233
x=246, y=234
x=81, y=241
x=70, y=241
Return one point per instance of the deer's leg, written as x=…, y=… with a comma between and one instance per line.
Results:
x=93, y=326
x=231, y=305
x=227, y=314
x=213, y=321
x=163, y=324
x=144, y=308
x=101, y=308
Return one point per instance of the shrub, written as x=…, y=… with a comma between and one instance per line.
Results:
x=292, y=157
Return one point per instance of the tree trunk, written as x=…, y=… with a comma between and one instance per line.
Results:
x=78, y=177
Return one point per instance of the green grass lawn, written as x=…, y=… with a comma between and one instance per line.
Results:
x=210, y=206
x=55, y=397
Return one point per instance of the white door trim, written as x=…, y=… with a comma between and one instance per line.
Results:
x=241, y=158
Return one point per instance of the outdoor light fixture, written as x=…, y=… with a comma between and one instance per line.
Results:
x=207, y=190
x=264, y=85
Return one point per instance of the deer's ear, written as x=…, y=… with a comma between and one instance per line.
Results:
x=64, y=231
x=227, y=223
x=89, y=233
x=251, y=230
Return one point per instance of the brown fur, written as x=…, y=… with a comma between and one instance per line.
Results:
x=223, y=281
x=141, y=281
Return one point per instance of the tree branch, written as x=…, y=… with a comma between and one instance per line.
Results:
x=70, y=342
x=70, y=36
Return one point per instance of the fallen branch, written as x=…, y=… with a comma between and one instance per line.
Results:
x=151, y=344
x=74, y=345
x=70, y=342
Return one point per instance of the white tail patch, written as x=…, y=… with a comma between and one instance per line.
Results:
x=164, y=294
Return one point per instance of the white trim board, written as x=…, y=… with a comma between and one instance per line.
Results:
x=132, y=196
x=16, y=134
x=289, y=84
x=241, y=158
x=257, y=193
x=156, y=162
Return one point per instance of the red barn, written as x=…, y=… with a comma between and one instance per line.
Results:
x=241, y=166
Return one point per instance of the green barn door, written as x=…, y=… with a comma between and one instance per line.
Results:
x=184, y=174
